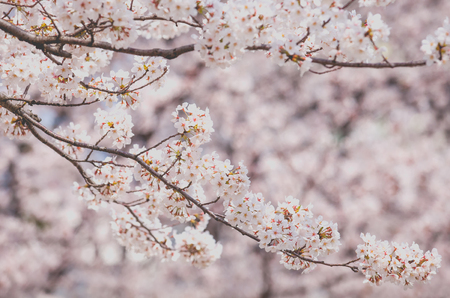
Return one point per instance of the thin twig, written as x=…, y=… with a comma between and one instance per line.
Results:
x=165, y=140
x=125, y=89
x=51, y=58
x=6, y=14
x=171, y=166
x=42, y=103
x=156, y=18
x=324, y=72
x=166, y=69
x=46, y=14
x=212, y=202
x=304, y=37
x=294, y=254
x=96, y=144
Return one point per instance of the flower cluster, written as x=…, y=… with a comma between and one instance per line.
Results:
x=437, y=47
x=293, y=30
x=110, y=181
x=164, y=19
x=143, y=236
x=193, y=121
x=150, y=238
x=85, y=193
x=182, y=164
x=72, y=134
x=289, y=229
x=149, y=69
x=198, y=246
x=115, y=16
x=12, y=126
x=115, y=124
x=58, y=89
x=20, y=71
x=229, y=28
x=400, y=264
x=160, y=198
x=173, y=9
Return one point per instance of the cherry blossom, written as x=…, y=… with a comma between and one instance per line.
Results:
x=396, y=263
x=72, y=133
x=436, y=48
x=60, y=56
x=115, y=124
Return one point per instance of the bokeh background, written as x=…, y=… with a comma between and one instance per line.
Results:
x=368, y=148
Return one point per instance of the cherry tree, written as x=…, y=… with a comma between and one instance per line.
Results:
x=162, y=195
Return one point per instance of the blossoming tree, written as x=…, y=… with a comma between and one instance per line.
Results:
x=163, y=195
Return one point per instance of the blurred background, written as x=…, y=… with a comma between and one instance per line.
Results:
x=368, y=148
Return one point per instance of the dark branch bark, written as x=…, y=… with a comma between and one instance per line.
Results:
x=327, y=62
x=43, y=43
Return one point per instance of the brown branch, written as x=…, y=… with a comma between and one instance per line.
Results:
x=42, y=103
x=296, y=255
x=324, y=72
x=304, y=37
x=332, y=63
x=43, y=42
x=326, y=62
x=51, y=58
x=166, y=139
x=135, y=202
x=6, y=14
x=32, y=39
x=348, y=4
x=96, y=144
x=212, y=202
x=156, y=18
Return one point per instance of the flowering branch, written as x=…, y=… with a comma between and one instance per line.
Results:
x=43, y=42
x=31, y=123
x=153, y=182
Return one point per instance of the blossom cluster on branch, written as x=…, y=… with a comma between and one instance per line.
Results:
x=396, y=263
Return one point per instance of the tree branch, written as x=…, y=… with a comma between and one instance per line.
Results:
x=42, y=42
x=156, y=18
x=327, y=62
